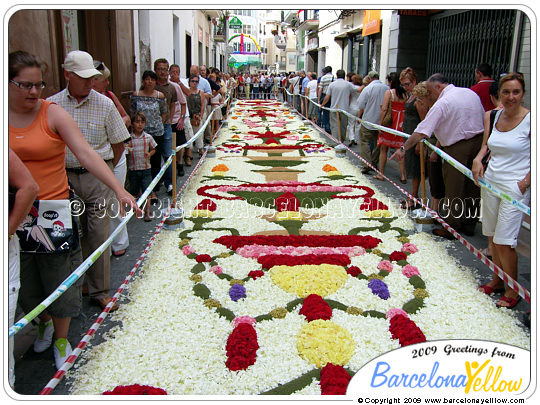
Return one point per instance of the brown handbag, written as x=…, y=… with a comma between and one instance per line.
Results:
x=387, y=119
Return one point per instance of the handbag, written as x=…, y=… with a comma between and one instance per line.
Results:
x=48, y=228
x=487, y=156
x=195, y=120
x=387, y=119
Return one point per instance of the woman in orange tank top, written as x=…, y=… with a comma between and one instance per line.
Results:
x=39, y=131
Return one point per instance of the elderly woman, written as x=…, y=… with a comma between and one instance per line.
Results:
x=39, y=132
x=509, y=170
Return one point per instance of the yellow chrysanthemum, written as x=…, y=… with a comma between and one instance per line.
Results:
x=288, y=216
x=323, y=279
x=201, y=214
x=334, y=173
x=378, y=214
x=321, y=342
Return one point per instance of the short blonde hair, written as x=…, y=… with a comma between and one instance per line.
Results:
x=420, y=90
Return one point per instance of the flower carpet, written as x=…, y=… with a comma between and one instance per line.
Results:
x=290, y=273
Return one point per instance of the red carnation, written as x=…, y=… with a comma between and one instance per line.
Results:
x=203, y=258
x=396, y=256
x=241, y=347
x=287, y=202
x=270, y=261
x=405, y=330
x=314, y=307
x=372, y=204
x=334, y=380
x=354, y=271
x=206, y=204
x=255, y=274
x=135, y=389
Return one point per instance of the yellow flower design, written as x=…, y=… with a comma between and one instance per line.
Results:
x=323, y=279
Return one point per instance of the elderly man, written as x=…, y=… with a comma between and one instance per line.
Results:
x=370, y=103
x=456, y=119
x=103, y=128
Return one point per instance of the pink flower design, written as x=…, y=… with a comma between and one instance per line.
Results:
x=409, y=248
x=409, y=271
x=188, y=249
x=385, y=265
x=216, y=270
x=244, y=319
x=395, y=311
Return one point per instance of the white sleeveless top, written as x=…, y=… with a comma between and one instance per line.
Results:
x=510, y=152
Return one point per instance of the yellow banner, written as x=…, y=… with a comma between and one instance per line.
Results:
x=372, y=22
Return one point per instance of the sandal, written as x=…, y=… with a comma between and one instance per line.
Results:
x=409, y=204
x=147, y=218
x=378, y=177
x=507, y=302
x=484, y=252
x=486, y=289
x=403, y=181
x=188, y=160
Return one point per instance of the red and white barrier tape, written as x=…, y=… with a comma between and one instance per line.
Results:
x=513, y=284
x=51, y=385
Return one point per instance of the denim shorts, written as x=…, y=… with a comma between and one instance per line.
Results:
x=139, y=180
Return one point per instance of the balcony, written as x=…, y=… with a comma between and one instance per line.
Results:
x=212, y=13
x=308, y=20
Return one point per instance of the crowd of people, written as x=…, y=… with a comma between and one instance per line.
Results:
x=81, y=143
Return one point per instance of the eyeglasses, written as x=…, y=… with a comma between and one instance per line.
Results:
x=194, y=81
x=28, y=86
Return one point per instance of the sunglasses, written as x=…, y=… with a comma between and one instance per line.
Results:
x=194, y=81
x=28, y=86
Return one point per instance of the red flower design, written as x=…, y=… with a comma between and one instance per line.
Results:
x=287, y=202
x=372, y=204
x=203, y=258
x=241, y=347
x=270, y=261
x=354, y=271
x=255, y=274
x=206, y=204
x=314, y=307
x=396, y=256
x=405, y=330
x=234, y=242
x=334, y=380
x=135, y=389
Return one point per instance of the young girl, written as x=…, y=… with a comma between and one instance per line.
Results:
x=216, y=103
x=140, y=149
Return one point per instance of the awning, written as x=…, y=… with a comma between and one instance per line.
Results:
x=239, y=59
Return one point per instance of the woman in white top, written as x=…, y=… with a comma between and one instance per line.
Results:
x=509, y=170
x=353, y=125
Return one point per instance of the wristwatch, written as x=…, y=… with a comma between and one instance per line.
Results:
x=402, y=148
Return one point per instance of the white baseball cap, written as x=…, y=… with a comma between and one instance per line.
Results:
x=81, y=63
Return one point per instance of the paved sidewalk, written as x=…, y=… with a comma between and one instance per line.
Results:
x=33, y=371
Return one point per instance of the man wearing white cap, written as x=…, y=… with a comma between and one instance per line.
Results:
x=103, y=128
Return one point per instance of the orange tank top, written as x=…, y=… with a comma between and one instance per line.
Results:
x=43, y=153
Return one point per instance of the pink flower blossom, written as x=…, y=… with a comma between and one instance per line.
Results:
x=385, y=265
x=409, y=271
x=216, y=270
x=395, y=311
x=409, y=248
x=244, y=319
x=188, y=249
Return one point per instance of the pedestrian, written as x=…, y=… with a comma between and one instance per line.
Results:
x=256, y=86
x=325, y=81
x=140, y=148
x=370, y=102
x=311, y=99
x=337, y=97
x=456, y=119
x=482, y=76
x=215, y=104
x=179, y=119
x=247, y=85
x=509, y=170
x=196, y=102
x=393, y=106
x=214, y=90
x=23, y=190
x=353, y=125
x=39, y=131
x=120, y=243
x=161, y=67
x=154, y=106
x=415, y=111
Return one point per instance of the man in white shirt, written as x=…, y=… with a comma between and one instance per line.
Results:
x=311, y=94
x=325, y=81
x=370, y=103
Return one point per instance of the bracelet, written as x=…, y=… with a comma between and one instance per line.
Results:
x=402, y=148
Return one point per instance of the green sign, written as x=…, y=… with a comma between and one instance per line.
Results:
x=235, y=23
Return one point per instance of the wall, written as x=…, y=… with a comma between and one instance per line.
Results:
x=524, y=58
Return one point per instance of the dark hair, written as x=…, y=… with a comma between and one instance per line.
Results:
x=193, y=77
x=513, y=76
x=313, y=76
x=485, y=69
x=439, y=78
x=393, y=78
x=494, y=90
x=138, y=114
x=160, y=60
x=328, y=69
x=340, y=74
x=19, y=60
x=149, y=73
x=174, y=65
